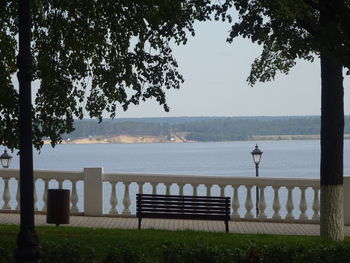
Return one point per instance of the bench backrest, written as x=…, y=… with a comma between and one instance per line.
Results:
x=186, y=207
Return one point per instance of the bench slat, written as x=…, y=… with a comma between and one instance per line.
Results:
x=185, y=216
x=169, y=210
x=156, y=202
x=174, y=197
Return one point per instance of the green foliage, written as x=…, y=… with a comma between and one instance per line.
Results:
x=254, y=253
x=73, y=244
x=289, y=30
x=5, y=255
x=67, y=252
x=180, y=252
x=91, y=56
x=124, y=253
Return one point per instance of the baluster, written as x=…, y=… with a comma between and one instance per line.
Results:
x=316, y=204
x=167, y=188
x=276, y=203
x=46, y=187
x=113, y=200
x=181, y=189
x=17, y=196
x=6, y=195
x=35, y=197
x=303, y=206
x=290, y=204
x=74, y=198
x=262, y=202
x=126, y=201
x=235, y=202
x=249, y=202
x=222, y=190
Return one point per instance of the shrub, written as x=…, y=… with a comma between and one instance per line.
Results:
x=123, y=253
x=67, y=252
x=253, y=253
x=5, y=255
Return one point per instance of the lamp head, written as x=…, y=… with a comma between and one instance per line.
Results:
x=256, y=153
x=5, y=159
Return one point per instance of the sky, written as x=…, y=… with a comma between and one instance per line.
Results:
x=215, y=74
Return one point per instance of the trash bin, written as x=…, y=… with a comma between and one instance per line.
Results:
x=58, y=206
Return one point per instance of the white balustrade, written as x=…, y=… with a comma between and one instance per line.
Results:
x=113, y=200
x=235, y=202
x=6, y=195
x=46, y=187
x=276, y=204
x=249, y=202
x=126, y=199
x=262, y=203
x=17, y=196
x=316, y=204
x=276, y=195
x=303, y=205
x=74, y=198
x=35, y=198
x=290, y=204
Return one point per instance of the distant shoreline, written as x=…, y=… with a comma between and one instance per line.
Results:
x=178, y=138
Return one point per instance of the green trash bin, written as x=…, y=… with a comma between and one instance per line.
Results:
x=58, y=206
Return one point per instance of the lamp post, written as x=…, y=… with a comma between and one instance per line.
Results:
x=27, y=249
x=5, y=159
x=256, y=153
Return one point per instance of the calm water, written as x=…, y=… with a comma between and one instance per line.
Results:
x=280, y=158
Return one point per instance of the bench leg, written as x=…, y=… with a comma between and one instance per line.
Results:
x=140, y=222
x=226, y=226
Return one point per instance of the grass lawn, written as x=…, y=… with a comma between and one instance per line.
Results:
x=152, y=244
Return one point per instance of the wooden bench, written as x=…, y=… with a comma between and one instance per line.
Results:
x=183, y=207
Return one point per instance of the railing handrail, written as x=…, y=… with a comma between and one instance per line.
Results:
x=214, y=180
x=44, y=174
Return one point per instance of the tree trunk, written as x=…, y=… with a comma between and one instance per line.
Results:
x=332, y=134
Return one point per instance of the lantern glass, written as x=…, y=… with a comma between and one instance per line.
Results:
x=256, y=158
x=256, y=153
x=5, y=159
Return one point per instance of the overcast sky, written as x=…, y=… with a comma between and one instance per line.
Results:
x=215, y=75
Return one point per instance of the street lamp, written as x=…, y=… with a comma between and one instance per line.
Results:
x=256, y=153
x=5, y=159
x=27, y=250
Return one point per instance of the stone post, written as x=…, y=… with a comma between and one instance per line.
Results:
x=93, y=192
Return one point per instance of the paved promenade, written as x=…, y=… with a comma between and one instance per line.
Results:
x=198, y=225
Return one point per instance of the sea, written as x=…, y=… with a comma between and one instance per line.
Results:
x=282, y=159
x=285, y=158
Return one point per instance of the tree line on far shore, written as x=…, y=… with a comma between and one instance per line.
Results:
x=202, y=128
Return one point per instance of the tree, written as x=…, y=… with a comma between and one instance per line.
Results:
x=302, y=29
x=92, y=56
x=107, y=42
